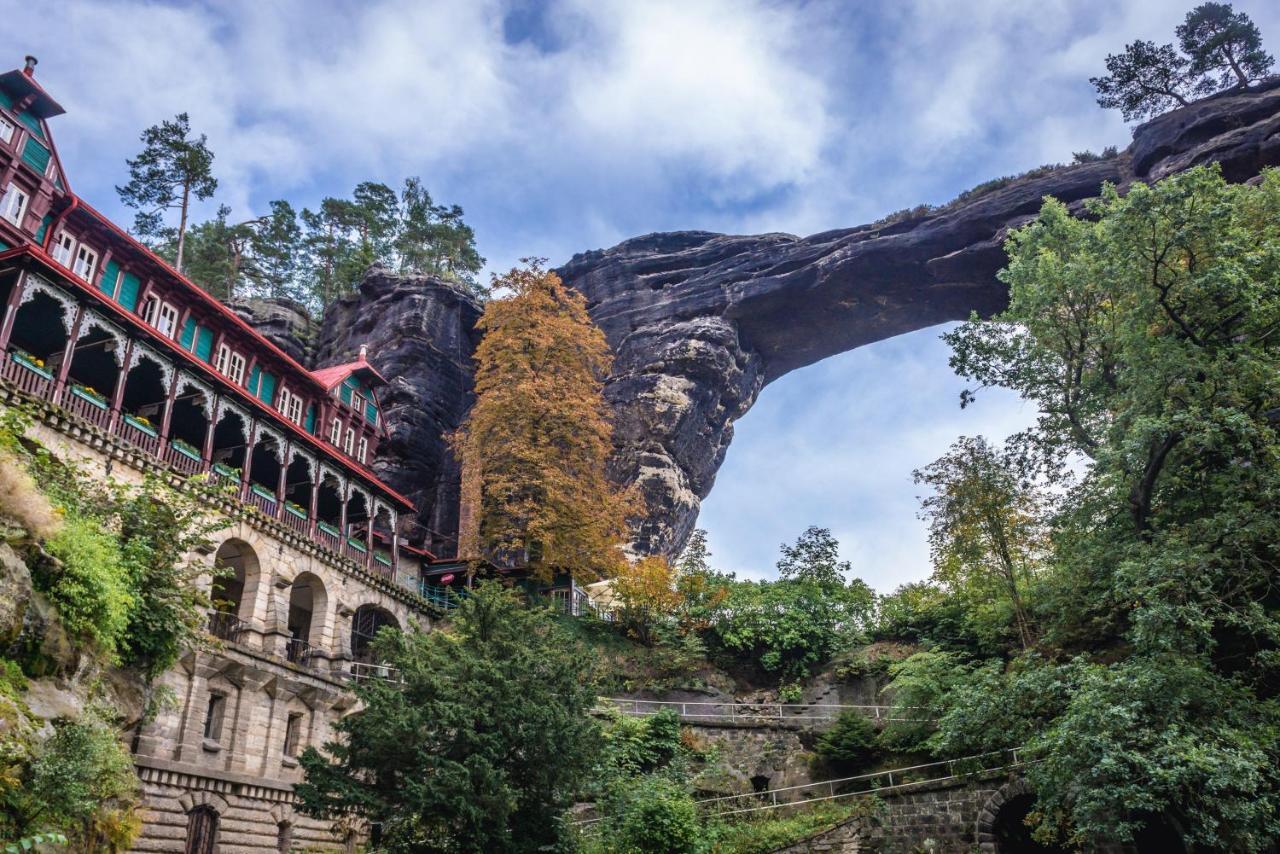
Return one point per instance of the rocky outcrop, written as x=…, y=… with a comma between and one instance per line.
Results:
x=701, y=322
x=286, y=323
x=420, y=333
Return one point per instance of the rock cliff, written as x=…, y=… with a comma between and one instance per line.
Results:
x=701, y=322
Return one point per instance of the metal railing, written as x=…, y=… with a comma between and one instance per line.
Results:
x=734, y=711
x=226, y=626
x=364, y=671
x=298, y=651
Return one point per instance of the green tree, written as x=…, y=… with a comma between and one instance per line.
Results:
x=814, y=559
x=986, y=530
x=848, y=744
x=1145, y=80
x=483, y=746
x=172, y=169
x=1224, y=46
x=433, y=239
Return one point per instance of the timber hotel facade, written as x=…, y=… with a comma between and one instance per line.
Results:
x=133, y=369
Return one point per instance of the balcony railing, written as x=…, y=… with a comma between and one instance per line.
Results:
x=363, y=671
x=226, y=626
x=30, y=376
x=298, y=651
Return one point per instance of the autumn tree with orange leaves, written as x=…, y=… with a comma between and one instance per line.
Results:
x=534, y=446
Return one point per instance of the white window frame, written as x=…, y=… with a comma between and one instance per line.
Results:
x=335, y=431
x=7, y=207
x=156, y=312
x=64, y=249
x=357, y=403
x=362, y=449
x=350, y=443
x=236, y=367
x=85, y=263
x=7, y=130
x=291, y=406
x=223, y=360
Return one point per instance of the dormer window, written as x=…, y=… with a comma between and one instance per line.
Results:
x=86, y=261
x=14, y=205
x=7, y=129
x=63, y=248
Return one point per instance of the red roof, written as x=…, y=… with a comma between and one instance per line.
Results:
x=331, y=376
x=44, y=258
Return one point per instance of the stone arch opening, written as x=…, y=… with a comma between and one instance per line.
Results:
x=365, y=625
x=202, y=830
x=234, y=589
x=307, y=601
x=1011, y=832
x=759, y=783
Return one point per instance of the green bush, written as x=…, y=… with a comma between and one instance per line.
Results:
x=848, y=744
x=654, y=815
x=89, y=586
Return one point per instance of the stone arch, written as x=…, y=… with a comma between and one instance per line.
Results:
x=190, y=800
x=308, y=607
x=236, y=593
x=367, y=621
x=1006, y=806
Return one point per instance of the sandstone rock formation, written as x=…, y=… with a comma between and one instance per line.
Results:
x=701, y=322
x=285, y=322
x=420, y=332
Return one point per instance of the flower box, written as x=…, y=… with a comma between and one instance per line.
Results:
x=328, y=529
x=226, y=471
x=382, y=558
x=295, y=510
x=90, y=395
x=185, y=449
x=141, y=426
x=31, y=363
x=357, y=545
x=262, y=492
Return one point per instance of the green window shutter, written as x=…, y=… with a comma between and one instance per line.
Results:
x=32, y=123
x=188, y=336
x=311, y=419
x=254, y=375
x=348, y=385
x=204, y=343
x=44, y=228
x=267, y=392
x=371, y=411
x=5, y=100
x=35, y=155
x=3, y=246
x=129, y=287
x=110, y=274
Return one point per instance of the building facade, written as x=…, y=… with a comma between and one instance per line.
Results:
x=131, y=369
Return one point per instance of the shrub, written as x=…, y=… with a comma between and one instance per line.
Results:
x=849, y=743
x=655, y=814
x=89, y=585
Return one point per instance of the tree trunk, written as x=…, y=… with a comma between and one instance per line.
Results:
x=182, y=226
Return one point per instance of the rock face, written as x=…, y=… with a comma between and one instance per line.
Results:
x=420, y=332
x=701, y=322
x=285, y=322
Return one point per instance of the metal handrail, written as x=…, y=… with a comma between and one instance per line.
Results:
x=225, y=625
x=757, y=711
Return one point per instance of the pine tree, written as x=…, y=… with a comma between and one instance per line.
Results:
x=1144, y=80
x=171, y=169
x=535, y=444
x=1224, y=45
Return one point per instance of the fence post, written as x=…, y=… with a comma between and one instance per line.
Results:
x=890, y=779
x=683, y=712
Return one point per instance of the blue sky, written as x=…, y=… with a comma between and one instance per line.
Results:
x=573, y=124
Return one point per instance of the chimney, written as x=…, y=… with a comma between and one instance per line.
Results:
x=29, y=68
x=364, y=352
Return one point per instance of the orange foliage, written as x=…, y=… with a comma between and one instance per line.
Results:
x=647, y=590
x=534, y=446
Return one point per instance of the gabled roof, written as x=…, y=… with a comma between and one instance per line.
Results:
x=21, y=85
x=331, y=376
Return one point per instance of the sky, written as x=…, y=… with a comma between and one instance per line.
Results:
x=571, y=125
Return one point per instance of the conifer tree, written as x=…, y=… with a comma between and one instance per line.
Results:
x=1224, y=45
x=171, y=169
x=535, y=445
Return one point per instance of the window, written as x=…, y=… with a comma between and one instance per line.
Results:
x=14, y=205
x=292, y=734
x=63, y=248
x=335, y=431
x=202, y=831
x=213, y=717
x=291, y=406
x=6, y=130
x=167, y=321
x=350, y=444
x=86, y=261
x=284, y=837
x=357, y=403
x=363, y=449
x=230, y=364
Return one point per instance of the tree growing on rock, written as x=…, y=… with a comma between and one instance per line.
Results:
x=172, y=169
x=1225, y=46
x=1145, y=80
x=535, y=444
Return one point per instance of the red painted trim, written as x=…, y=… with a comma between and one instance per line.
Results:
x=56, y=223
x=38, y=254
